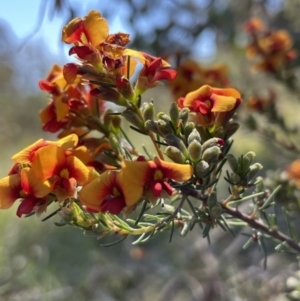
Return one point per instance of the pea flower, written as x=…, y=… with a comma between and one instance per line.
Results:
x=109, y=193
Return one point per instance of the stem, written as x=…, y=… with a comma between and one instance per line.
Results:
x=262, y=227
x=159, y=151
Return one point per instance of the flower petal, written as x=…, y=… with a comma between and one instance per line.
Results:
x=175, y=171
x=47, y=160
x=94, y=193
x=223, y=103
x=32, y=185
x=9, y=190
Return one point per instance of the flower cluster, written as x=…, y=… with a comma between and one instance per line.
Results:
x=93, y=172
x=272, y=49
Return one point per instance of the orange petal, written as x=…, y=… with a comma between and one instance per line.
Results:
x=93, y=194
x=9, y=190
x=66, y=142
x=32, y=185
x=71, y=32
x=203, y=93
x=61, y=108
x=141, y=56
x=135, y=173
x=78, y=170
x=26, y=155
x=96, y=27
x=223, y=103
x=226, y=92
x=131, y=192
x=177, y=172
x=47, y=160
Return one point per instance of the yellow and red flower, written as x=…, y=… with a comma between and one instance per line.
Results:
x=26, y=187
x=208, y=101
x=154, y=176
x=109, y=193
x=27, y=155
x=64, y=170
x=92, y=29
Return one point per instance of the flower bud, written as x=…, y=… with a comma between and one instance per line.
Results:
x=174, y=113
x=175, y=154
x=148, y=111
x=184, y=115
x=211, y=154
x=212, y=142
x=194, y=135
x=116, y=121
x=231, y=128
x=173, y=140
x=233, y=163
x=201, y=169
x=246, y=162
x=133, y=118
x=164, y=127
x=188, y=129
x=125, y=88
x=254, y=169
x=195, y=150
x=109, y=94
x=151, y=126
x=164, y=117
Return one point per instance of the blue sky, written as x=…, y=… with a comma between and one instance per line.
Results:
x=22, y=16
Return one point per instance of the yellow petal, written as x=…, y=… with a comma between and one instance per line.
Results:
x=9, y=190
x=46, y=161
x=96, y=28
x=223, y=103
x=32, y=185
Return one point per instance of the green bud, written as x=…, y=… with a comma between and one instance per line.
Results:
x=184, y=115
x=195, y=150
x=148, y=110
x=164, y=127
x=107, y=117
x=211, y=154
x=201, y=169
x=212, y=142
x=175, y=154
x=194, y=135
x=116, y=121
x=254, y=169
x=164, y=117
x=173, y=140
x=247, y=160
x=260, y=187
x=133, y=118
x=188, y=129
x=233, y=163
x=174, y=113
x=151, y=126
x=231, y=128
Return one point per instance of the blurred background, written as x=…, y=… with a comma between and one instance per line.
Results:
x=40, y=261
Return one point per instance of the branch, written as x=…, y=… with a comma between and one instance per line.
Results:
x=262, y=227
